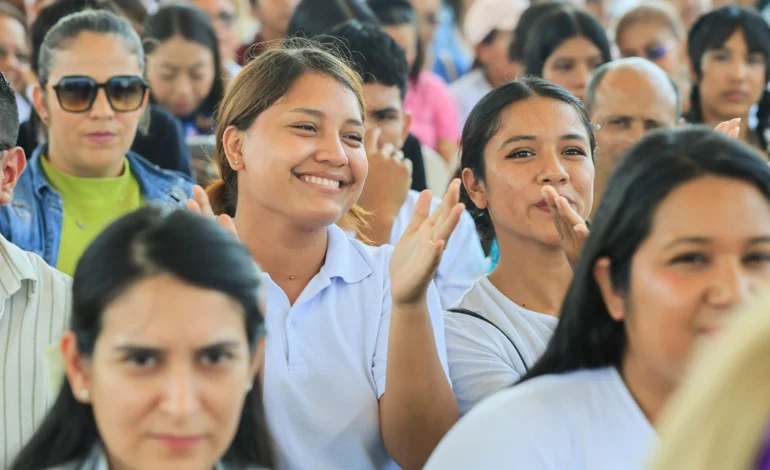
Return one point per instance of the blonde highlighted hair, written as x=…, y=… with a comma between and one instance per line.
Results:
x=719, y=416
x=652, y=12
x=260, y=84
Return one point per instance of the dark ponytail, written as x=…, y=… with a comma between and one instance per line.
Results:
x=763, y=120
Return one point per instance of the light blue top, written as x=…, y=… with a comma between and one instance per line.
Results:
x=326, y=360
x=583, y=420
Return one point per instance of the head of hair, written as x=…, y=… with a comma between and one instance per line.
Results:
x=194, y=25
x=557, y=26
x=484, y=122
x=587, y=337
x=9, y=113
x=528, y=18
x=729, y=379
x=315, y=17
x=72, y=26
x=638, y=65
x=50, y=15
x=149, y=242
x=257, y=87
x=371, y=52
x=7, y=9
x=653, y=12
x=398, y=13
x=711, y=31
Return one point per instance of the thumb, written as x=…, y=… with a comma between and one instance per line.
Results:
x=371, y=138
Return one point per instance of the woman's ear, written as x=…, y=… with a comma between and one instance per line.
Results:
x=232, y=142
x=476, y=188
x=76, y=367
x=614, y=300
x=38, y=101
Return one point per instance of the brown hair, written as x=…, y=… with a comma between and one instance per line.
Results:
x=657, y=12
x=261, y=83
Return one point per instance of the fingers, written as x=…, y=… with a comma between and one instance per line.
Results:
x=203, y=200
x=371, y=140
x=568, y=213
x=421, y=212
x=451, y=197
x=446, y=226
x=550, y=195
x=226, y=222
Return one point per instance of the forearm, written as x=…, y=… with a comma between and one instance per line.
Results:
x=420, y=406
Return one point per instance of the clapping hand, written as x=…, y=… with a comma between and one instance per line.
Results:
x=732, y=127
x=418, y=252
x=200, y=205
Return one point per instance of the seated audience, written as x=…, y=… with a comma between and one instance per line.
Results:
x=273, y=18
x=91, y=98
x=681, y=237
x=141, y=392
x=224, y=16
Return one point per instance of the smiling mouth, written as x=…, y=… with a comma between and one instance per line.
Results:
x=321, y=181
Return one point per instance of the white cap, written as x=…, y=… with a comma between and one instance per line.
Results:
x=485, y=16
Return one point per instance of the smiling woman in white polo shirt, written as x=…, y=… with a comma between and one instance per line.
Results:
x=503, y=323
x=290, y=150
x=681, y=237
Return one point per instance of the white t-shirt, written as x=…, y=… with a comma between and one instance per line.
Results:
x=583, y=420
x=481, y=360
x=326, y=360
x=467, y=91
x=463, y=261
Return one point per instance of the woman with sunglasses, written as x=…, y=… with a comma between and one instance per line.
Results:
x=655, y=32
x=91, y=97
x=141, y=392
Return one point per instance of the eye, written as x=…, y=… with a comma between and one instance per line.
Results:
x=142, y=360
x=520, y=154
x=574, y=151
x=757, y=258
x=618, y=123
x=358, y=138
x=721, y=56
x=690, y=258
x=564, y=67
x=756, y=59
x=305, y=127
x=216, y=357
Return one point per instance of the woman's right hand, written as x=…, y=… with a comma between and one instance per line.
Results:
x=200, y=205
x=731, y=128
x=572, y=229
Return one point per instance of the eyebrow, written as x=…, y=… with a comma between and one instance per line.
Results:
x=196, y=65
x=706, y=241
x=151, y=350
x=520, y=138
x=320, y=114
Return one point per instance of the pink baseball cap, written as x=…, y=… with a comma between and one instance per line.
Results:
x=485, y=16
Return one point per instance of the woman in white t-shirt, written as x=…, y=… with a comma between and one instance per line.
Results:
x=682, y=235
x=503, y=323
x=290, y=150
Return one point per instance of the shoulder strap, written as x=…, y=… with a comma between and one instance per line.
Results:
x=470, y=313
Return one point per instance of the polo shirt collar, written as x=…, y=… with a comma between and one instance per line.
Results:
x=15, y=267
x=346, y=258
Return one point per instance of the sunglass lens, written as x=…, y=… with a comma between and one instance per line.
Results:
x=76, y=94
x=125, y=93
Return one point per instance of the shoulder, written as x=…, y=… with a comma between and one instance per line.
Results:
x=147, y=172
x=22, y=209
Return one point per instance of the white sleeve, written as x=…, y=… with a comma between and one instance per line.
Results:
x=462, y=263
x=478, y=366
x=504, y=432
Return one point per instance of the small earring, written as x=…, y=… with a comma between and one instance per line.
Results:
x=248, y=387
x=83, y=395
x=236, y=162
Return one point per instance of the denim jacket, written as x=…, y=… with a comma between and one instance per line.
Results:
x=33, y=219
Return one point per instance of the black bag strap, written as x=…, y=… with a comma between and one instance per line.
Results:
x=470, y=313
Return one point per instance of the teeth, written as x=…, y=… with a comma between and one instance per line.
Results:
x=321, y=181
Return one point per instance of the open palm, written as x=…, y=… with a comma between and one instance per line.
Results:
x=418, y=252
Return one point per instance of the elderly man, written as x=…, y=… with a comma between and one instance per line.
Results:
x=626, y=99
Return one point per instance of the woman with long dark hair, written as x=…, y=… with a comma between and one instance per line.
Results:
x=729, y=49
x=507, y=161
x=682, y=236
x=141, y=392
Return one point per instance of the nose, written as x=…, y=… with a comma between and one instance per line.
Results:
x=180, y=395
x=730, y=285
x=552, y=171
x=739, y=70
x=581, y=76
x=332, y=151
x=101, y=108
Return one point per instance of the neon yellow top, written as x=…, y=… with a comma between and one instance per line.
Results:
x=90, y=204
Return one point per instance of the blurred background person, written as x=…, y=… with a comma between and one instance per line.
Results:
x=272, y=17
x=224, y=16
x=15, y=57
x=655, y=32
x=488, y=27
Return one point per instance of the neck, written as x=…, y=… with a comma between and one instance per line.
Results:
x=278, y=245
x=649, y=388
x=267, y=34
x=533, y=275
x=494, y=81
x=67, y=167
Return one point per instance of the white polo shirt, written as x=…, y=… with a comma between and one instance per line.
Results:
x=34, y=311
x=326, y=359
x=583, y=420
x=482, y=360
x=467, y=91
x=463, y=262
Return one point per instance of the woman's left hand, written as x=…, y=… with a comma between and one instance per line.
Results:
x=200, y=205
x=418, y=252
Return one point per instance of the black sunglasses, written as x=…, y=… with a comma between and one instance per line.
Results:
x=76, y=93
